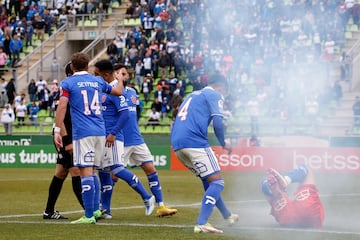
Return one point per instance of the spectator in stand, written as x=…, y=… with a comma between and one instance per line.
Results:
x=134, y=60
x=165, y=106
x=29, y=32
x=312, y=110
x=55, y=69
x=54, y=93
x=163, y=63
x=39, y=26
x=33, y=114
x=112, y=52
x=106, y=5
x=120, y=42
x=21, y=111
x=40, y=85
x=182, y=83
x=7, y=119
x=179, y=64
x=45, y=97
x=155, y=61
x=137, y=10
x=157, y=105
x=6, y=46
x=142, y=50
x=16, y=47
x=356, y=111
x=171, y=48
x=32, y=90
x=62, y=17
x=337, y=91
x=147, y=24
x=3, y=85
x=11, y=91
x=3, y=58
x=147, y=87
x=139, y=72
x=163, y=82
x=179, y=90
x=129, y=11
x=147, y=62
x=132, y=51
x=172, y=82
x=126, y=60
x=154, y=118
x=253, y=111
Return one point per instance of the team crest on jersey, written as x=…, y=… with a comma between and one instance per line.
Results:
x=133, y=99
x=103, y=98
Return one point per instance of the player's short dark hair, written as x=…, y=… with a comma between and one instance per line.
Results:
x=104, y=66
x=68, y=70
x=80, y=61
x=216, y=79
x=118, y=66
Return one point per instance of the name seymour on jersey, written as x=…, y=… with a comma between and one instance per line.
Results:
x=88, y=84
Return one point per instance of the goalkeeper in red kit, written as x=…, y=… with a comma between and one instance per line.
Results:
x=305, y=210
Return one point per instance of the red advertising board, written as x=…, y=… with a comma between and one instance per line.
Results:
x=259, y=159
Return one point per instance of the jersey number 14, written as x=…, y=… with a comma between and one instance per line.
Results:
x=94, y=105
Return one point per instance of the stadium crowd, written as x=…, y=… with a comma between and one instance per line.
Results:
x=275, y=54
x=271, y=51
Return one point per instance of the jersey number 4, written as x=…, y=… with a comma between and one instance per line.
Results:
x=95, y=103
x=184, y=110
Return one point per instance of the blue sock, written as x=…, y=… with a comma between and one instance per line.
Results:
x=132, y=180
x=155, y=186
x=106, y=190
x=225, y=212
x=265, y=188
x=96, y=192
x=298, y=174
x=219, y=203
x=87, y=184
x=212, y=194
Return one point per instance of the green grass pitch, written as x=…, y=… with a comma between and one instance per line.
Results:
x=23, y=195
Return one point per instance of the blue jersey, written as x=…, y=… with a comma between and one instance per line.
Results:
x=131, y=130
x=84, y=92
x=190, y=129
x=112, y=107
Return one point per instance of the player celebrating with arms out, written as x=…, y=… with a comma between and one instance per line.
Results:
x=189, y=139
x=83, y=91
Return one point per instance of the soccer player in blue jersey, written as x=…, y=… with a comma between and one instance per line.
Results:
x=64, y=166
x=116, y=115
x=189, y=139
x=137, y=152
x=83, y=92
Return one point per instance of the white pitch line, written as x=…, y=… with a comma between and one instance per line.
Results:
x=244, y=228
x=181, y=205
